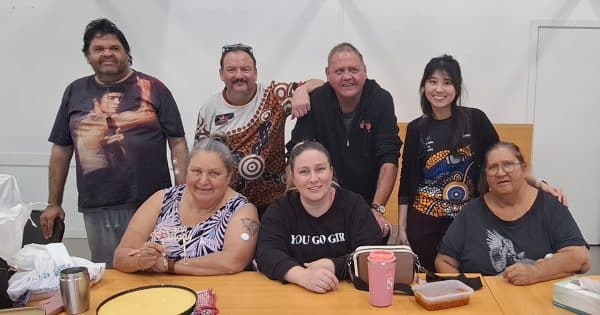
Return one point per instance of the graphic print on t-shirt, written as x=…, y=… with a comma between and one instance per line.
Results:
x=305, y=239
x=447, y=183
x=100, y=137
x=502, y=251
x=223, y=119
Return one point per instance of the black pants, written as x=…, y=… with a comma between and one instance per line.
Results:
x=424, y=234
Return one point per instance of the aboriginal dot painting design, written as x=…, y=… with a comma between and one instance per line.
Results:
x=447, y=183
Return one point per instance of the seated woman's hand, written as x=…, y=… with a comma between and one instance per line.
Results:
x=319, y=280
x=521, y=274
x=324, y=263
x=149, y=255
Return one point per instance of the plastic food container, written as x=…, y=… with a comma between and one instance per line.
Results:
x=442, y=294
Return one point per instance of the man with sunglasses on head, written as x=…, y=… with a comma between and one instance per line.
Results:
x=251, y=117
x=117, y=122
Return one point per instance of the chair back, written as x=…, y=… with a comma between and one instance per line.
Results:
x=32, y=234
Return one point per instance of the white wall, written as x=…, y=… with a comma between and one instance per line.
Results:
x=180, y=43
x=566, y=86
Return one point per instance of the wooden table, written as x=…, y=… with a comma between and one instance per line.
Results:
x=529, y=299
x=252, y=293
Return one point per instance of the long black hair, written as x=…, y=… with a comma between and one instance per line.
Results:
x=460, y=123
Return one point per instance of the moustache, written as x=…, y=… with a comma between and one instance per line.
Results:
x=239, y=81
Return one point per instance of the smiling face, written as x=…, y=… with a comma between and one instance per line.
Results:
x=207, y=177
x=347, y=75
x=440, y=92
x=239, y=75
x=504, y=173
x=108, y=57
x=312, y=175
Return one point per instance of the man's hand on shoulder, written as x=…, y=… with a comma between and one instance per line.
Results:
x=301, y=98
x=300, y=102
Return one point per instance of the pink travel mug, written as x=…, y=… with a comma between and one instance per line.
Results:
x=382, y=269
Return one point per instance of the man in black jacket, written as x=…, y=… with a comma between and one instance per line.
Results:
x=353, y=117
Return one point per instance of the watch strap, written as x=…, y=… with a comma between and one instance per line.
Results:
x=171, y=265
x=378, y=207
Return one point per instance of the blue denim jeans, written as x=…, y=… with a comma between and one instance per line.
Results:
x=105, y=228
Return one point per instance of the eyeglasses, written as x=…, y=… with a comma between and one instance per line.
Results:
x=507, y=167
x=238, y=46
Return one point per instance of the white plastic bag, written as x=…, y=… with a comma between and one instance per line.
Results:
x=13, y=216
x=39, y=266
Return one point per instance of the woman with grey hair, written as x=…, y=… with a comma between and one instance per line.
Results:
x=513, y=228
x=201, y=228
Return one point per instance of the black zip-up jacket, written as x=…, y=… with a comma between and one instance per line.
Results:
x=373, y=139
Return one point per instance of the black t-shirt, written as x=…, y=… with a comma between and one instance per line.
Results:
x=290, y=237
x=484, y=243
x=119, y=133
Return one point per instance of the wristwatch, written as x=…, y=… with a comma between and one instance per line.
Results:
x=378, y=207
x=171, y=265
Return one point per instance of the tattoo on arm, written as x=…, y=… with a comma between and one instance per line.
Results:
x=250, y=226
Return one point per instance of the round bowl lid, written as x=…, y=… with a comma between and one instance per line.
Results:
x=148, y=300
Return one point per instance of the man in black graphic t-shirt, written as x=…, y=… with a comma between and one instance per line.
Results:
x=117, y=122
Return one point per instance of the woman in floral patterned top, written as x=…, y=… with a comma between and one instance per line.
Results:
x=201, y=228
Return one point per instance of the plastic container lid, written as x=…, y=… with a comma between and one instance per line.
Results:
x=442, y=294
x=381, y=256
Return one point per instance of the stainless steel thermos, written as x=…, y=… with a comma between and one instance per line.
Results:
x=75, y=289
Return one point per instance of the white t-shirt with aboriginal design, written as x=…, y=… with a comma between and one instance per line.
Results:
x=255, y=135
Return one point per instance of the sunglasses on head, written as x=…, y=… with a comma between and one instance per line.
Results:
x=238, y=46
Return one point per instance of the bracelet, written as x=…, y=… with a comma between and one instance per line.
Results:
x=171, y=265
x=539, y=182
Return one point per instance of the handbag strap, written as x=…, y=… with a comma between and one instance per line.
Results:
x=6, y=271
x=474, y=282
x=398, y=287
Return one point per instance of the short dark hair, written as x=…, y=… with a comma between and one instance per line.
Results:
x=100, y=27
x=237, y=47
x=345, y=47
x=483, y=185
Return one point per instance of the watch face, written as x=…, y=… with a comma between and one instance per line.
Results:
x=379, y=208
